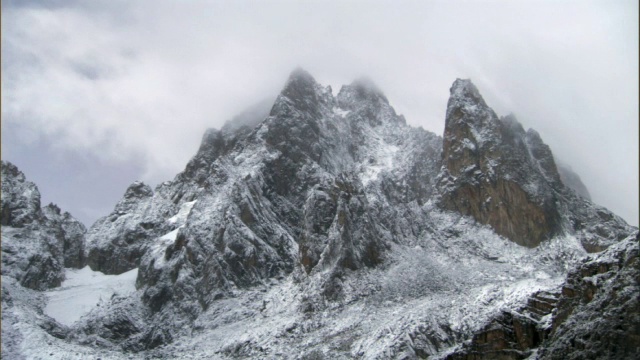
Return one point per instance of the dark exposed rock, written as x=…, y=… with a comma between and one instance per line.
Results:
x=73, y=232
x=42, y=272
x=115, y=243
x=301, y=207
x=496, y=172
x=36, y=243
x=20, y=198
x=513, y=334
x=506, y=177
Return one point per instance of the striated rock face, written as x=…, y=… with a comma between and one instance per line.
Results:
x=597, y=315
x=512, y=335
x=506, y=177
x=306, y=189
x=36, y=243
x=20, y=198
x=73, y=232
x=289, y=193
x=496, y=172
x=115, y=243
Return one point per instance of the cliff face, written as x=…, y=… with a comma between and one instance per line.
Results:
x=37, y=243
x=507, y=178
x=115, y=243
x=20, y=198
x=72, y=232
x=496, y=172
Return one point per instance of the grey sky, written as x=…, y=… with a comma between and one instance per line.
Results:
x=98, y=94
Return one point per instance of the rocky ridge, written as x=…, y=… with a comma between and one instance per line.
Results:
x=314, y=226
x=37, y=243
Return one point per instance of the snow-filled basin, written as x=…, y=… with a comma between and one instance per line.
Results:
x=82, y=291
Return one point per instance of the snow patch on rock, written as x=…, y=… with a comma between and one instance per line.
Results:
x=83, y=290
x=181, y=217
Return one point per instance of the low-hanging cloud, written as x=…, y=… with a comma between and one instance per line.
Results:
x=141, y=81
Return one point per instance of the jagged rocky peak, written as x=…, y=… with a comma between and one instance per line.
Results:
x=470, y=127
x=73, y=234
x=361, y=89
x=52, y=209
x=463, y=90
x=307, y=229
x=496, y=172
x=116, y=242
x=506, y=177
x=301, y=92
x=20, y=198
x=367, y=102
x=136, y=192
x=288, y=194
x=138, y=189
x=37, y=243
x=299, y=82
x=219, y=142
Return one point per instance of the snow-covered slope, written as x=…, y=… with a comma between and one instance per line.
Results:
x=83, y=289
x=329, y=228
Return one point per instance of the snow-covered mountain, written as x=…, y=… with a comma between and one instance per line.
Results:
x=329, y=228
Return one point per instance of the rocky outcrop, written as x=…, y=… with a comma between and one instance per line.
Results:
x=72, y=231
x=512, y=335
x=496, y=172
x=278, y=197
x=20, y=198
x=116, y=243
x=36, y=243
x=595, y=316
x=506, y=177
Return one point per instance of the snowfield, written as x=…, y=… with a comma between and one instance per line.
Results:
x=85, y=289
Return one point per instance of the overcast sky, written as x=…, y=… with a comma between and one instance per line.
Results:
x=98, y=94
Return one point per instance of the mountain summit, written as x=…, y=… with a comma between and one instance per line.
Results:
x=330, y=227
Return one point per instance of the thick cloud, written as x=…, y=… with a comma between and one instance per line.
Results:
x=131, y=86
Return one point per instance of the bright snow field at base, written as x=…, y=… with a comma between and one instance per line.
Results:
x=83, y=289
